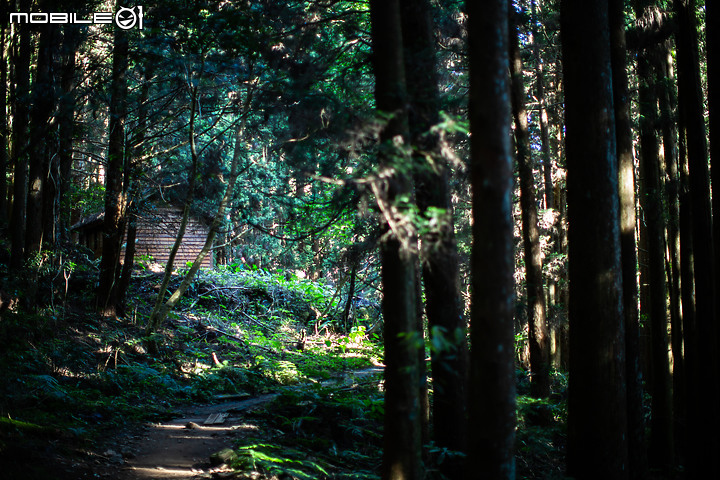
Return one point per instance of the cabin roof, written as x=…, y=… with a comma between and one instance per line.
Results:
x=89, y=221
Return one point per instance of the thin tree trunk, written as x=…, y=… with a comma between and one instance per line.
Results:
x=114, y=201
x=20, y=143
x=661, y=449
x=351, y=291
x=540, y=95
x=129, y=257
x=51, y=178
x=712, y=23
x=492, y=371
x=700, y=450
x=637, y=455
x=133, y=192
x=597, y=402
x=4, y=146
x=687, y=292
x=423, y=390
x=440, y=274
x=209, y=240
x=537, y=326
x=159, y=317
x=159, y=312
x=66, y=122
x=668, y=104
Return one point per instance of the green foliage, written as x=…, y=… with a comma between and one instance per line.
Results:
x=439, y=341
x=276, y=461
x=82, y=374
x=541, y=433
x=206, y=382
x=323, y=432
x=86, y=200
x=273, y=301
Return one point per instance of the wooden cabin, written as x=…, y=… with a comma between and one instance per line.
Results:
x=156, y=232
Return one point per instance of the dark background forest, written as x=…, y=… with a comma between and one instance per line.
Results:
x=497, y=217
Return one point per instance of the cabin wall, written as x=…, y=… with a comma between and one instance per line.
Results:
x=156, y=233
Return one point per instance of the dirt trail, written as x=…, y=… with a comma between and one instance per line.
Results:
x=180, y=449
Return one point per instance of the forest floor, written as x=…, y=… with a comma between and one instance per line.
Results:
x=186, y=447
x=81, y=398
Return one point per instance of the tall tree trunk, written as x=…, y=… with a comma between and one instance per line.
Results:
x=20, y=142
x=51, y=180
x=40, y=113
x=133, y=192
x=540, y=95
x=687, y=289
x=597, y=402
x=712, y=22
x=492, y=372
x=668, y=104
x=537, y=326
x=651, y=201
x=130, y=225
x=402, y=434
x=4, y=146
x=423, y=390
x=421, y=83
x=637, y=456
x=440, y=273
x=66, y=122
x=114, y=201
x=704, y=391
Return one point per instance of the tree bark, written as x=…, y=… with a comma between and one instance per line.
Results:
x=712, y=22
x=159, y=317
x=687, y=288
x=537, y=326
x=402, y=427
x=20, y=143
x=66, y=122
x=3, y=119
x=661, y=449
x=637, y=453
x=440, y=273
x=52, y=167
x=492, y=374
x=704, y=391
x=597, y=402
x=668, y=104
x=132, y=190
x=114, y=201
x=159, y=310
x=540, y=95
x=353, y=261
x=40, y=141
x=218, y=220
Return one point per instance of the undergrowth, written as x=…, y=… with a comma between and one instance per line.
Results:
x=316, y=433
x=70, y=378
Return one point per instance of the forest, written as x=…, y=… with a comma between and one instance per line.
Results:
x=359, y=239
